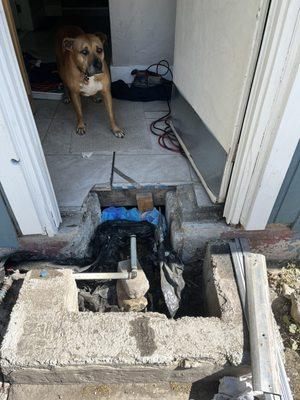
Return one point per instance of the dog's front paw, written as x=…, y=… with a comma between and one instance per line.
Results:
x=118, y=132
x=66, y=100
x=80, y=129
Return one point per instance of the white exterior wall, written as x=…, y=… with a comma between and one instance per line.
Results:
x=214, y=45
x=142, y=31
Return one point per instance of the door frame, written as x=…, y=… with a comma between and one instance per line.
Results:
x=256, y=179
x=23, y=166
x=24, y=175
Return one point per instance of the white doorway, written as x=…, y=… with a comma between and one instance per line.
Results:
x=24, y=160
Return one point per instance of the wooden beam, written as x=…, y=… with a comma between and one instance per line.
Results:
x=127, y=197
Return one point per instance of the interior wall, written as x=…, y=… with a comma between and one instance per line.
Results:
x=53, y=7
x=32, y=12
x=142, y=31
x=214, y=43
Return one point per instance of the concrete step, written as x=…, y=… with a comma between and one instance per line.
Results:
x=147, y=391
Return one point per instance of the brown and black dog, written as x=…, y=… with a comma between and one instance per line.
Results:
x=83, y=70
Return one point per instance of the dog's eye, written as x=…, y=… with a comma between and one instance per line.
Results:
x=99, y=50
x=85, y=52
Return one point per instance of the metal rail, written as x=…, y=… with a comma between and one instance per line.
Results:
x=240, y=251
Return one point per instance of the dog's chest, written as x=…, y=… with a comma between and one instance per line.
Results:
x=93, y=86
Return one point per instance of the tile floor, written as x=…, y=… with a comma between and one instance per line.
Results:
x=76, y=164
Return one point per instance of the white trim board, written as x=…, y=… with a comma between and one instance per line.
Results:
x=256, y=42
x=256, y=177
x=24, y=174
x=262, y=200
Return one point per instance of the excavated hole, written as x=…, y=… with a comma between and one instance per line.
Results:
x=101, y=296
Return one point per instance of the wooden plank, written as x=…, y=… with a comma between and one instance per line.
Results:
x=127, y=197
x=144, y=201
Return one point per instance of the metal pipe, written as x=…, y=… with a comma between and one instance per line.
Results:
x=114, y=275
x=133, y=256
x=84, y=276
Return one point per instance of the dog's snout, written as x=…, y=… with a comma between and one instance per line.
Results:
x=97, y=65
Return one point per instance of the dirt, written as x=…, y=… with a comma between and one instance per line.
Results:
x=288, y=274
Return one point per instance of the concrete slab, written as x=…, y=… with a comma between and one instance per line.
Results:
x=72, y=242
x=50, y=341
x=194, y=221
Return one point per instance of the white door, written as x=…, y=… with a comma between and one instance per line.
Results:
x=217, y=44
x=24, y=177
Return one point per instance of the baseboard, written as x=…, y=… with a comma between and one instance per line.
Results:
x=124, y=72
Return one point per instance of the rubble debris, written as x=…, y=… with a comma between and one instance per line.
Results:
x=286, y=280
x=287, y=291
x=232, y=388
x=286, y=286
x=96, y=297
x=295, y=308
x=131, y=292
x=171, y=272
x=7, y=283
x=128, y=304
x=4, y=390
x=136, y=287
x=172, y=284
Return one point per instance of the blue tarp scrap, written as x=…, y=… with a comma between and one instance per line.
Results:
x=132, y=214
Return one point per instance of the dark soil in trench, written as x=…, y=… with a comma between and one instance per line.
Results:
x=102, y=297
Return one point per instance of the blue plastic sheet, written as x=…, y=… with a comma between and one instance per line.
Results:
x=132, y=214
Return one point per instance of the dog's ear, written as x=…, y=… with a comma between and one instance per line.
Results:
x=67, y=44
x=101, y=36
